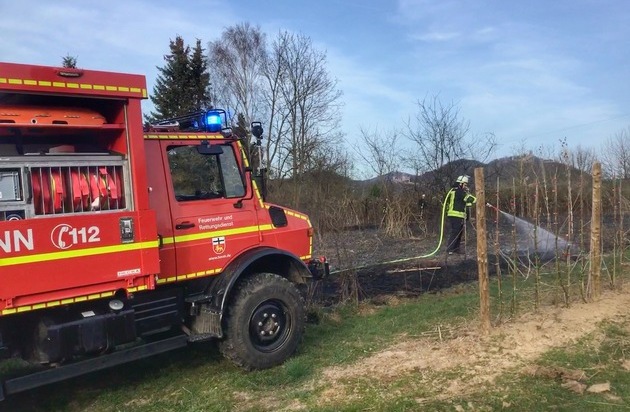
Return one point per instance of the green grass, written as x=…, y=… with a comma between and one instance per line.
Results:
x=199, y=379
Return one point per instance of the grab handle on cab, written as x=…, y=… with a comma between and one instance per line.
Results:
x=184, y=225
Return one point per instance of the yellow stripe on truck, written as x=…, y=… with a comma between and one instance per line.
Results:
x=187, y=276
x=183, y=136
x=67, y=254
x=67, y=301
x=74, y=85
x=54, y=303
x=208, y=235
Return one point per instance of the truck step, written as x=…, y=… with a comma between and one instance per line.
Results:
x=72, y=370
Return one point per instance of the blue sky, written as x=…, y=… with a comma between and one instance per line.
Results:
x=532, y=72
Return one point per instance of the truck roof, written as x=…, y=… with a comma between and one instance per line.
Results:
x=76, y=82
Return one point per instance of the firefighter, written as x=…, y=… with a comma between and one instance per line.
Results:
x=458, y=203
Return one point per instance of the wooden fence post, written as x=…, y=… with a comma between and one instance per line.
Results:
x=482, y=251
x=596, y=232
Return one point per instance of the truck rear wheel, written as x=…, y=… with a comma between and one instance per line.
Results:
x=264, y=322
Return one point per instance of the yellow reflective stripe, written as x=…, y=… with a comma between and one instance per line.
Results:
x=207, y=235
x=226, y=232
x=184, y=136
x=298, y=215
x=67, y=301
x=243, y=154
x=236, y=231
x=454, y=213
x=66, y=254
x=188, y=276
x=73, y=85
x=257, y=194
x=168, y=240
x=450, y=199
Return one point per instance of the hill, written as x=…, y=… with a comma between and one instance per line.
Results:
x=506, y=171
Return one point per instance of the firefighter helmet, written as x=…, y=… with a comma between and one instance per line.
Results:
x=462, y=179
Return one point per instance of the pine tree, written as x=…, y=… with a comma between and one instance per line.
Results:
x=182, y=84
x=200, y=78
x=69, y=62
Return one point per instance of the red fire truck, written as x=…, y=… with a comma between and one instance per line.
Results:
x=118, y=242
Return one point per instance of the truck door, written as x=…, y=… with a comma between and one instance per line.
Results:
x=211, y=223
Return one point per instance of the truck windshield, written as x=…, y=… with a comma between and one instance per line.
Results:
x=197, y=176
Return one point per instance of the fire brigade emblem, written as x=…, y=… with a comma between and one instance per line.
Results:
x=218, y=244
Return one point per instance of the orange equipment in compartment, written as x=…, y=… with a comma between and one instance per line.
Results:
x=73, y=116
x=48, y=191
x=103, y=190
x=80, y=191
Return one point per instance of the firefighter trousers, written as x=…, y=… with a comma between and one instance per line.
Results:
x=455, y=237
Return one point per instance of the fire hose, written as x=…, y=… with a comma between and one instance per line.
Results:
x=415, y=257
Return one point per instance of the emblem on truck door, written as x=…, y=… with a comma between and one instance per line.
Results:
x=218, y=244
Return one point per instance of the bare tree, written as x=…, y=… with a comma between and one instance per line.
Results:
x=381, y=159
x=311, y=99
x=442, y=137
x=392, y=206
x=616, y=155
x=237, y=61
x=583, y=158
x=277, y=112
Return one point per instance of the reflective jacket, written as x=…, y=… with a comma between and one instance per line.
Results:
x=457, y=201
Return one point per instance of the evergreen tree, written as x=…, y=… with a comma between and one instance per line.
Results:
x=200, y=78
x=69, y=62
x=182, y=84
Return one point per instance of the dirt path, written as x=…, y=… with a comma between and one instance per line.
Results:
x=478, y=360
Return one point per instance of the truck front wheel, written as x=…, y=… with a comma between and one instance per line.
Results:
x=264, y=322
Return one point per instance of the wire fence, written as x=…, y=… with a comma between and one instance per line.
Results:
x=553, y=237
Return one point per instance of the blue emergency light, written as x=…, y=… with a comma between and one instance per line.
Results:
x=214, y=122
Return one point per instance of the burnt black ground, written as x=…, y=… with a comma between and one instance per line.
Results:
x=385, y=266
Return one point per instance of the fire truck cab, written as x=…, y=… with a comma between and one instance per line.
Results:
x=118, y=242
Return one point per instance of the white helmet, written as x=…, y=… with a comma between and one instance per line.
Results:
x=462, y=179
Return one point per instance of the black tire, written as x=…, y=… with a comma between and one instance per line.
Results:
x=264, y=323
